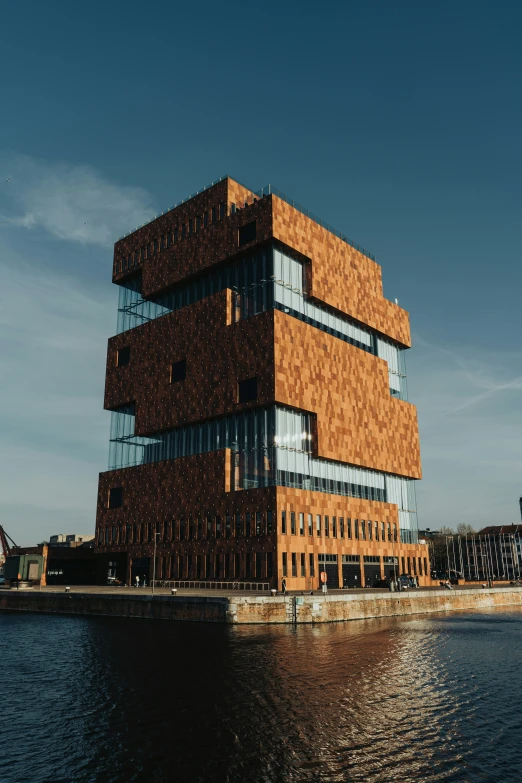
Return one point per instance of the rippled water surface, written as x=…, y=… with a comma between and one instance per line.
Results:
x=109, y=701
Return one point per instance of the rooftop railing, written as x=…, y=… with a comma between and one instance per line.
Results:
x=183, y=201
x=265, y=191
x=268, y=190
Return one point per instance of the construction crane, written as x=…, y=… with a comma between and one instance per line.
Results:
x=4, y=541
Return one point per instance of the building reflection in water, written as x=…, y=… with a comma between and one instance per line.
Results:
x=113, y=701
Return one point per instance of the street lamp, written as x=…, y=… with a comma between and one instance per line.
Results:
x=156, y=534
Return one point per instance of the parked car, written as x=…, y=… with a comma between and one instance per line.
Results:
x=112, y=580
x=406, y=581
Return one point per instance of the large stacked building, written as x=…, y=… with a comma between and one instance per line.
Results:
x=260, y=428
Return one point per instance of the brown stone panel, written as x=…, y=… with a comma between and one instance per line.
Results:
x=358, y=421
x=340, y=276
x=190, y=487
x=300, y=501
x=197, y=251
x=201, y=251
x=218, y=355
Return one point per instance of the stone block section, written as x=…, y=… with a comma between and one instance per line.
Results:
x=218, y=355
x=340, y=276
x=358, y=421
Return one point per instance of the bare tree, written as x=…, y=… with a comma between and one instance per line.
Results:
x=465, y=530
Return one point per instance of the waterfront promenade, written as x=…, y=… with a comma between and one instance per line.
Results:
x=251, y=608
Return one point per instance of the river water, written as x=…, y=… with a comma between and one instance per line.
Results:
x=97, y=700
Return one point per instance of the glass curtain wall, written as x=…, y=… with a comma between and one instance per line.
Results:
x=271, y=447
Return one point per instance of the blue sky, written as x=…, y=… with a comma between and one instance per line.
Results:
x=398, y=123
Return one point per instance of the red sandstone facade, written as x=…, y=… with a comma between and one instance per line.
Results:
x=209, y=526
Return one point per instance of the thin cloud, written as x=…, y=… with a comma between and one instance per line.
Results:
x=74, y=203
x=470, y=418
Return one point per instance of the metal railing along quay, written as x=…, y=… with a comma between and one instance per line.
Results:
x=191, y=584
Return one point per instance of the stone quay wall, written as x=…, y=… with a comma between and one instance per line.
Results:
x=261, y=609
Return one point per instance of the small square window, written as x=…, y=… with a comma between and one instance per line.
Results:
x=123, y=357
x=247, y=390
x=115, y=497
x=178, y=371
x=247, y=233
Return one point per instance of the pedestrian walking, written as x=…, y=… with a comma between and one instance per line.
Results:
x=283, y=586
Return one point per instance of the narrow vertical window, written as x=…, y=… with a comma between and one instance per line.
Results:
x=303, y=564
x=258, y=523
x=301, y=524
x=269, y=522
x=348, y=528
x=292, y=522
x=183, y=230
x=376, y=531
x=294, y=564
x=227, y=526
x=334, y=527
x=222, y=210
x=394, y=532
x=213, y=214
x=318, y=524
x=176, y=235
x=312, y=565
x=327, y=526
x=205, y=220
x=115, y=497
x=238, y=525
x=284, y=564
x=310, y=525
x=247, y=524
x=283, y=522
x=356, y=528
x=123, y=356
x=178, y=371
x=389, y=532
x=341, y=527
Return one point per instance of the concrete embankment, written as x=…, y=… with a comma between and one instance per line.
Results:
x=260, y=609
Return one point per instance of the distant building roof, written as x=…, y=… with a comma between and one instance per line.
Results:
x=501, y=530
